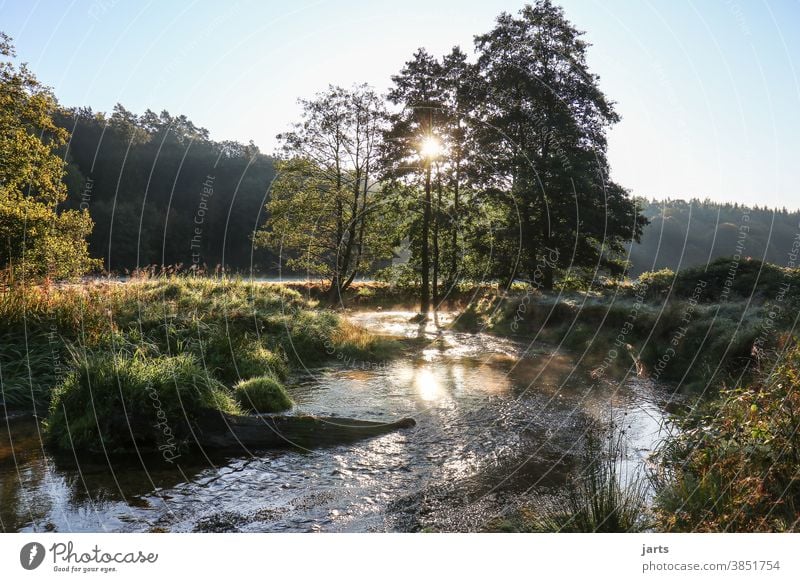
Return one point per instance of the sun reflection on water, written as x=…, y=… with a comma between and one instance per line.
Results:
x=427, y=385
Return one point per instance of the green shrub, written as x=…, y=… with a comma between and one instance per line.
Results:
x=734, y=464
x=574, y=282
x=262, y=394
x=119, y=402
x=658, y=283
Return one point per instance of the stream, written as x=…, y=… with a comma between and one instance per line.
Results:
x=499, y=424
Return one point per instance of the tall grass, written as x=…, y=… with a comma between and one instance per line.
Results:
x=114, y=401
x=27, y=371
x=233, y=330
x=603, y=498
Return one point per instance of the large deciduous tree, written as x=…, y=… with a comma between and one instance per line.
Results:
x=324, y=209
x=36, y=237
x=544, y=121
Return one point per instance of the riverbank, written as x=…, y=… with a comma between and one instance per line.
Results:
x=168, y=348
x=506, y=391
x=497, y=425
x=701, y=328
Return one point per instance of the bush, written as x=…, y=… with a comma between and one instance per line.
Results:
x=119, y=403
x=659, y=283
x=262, y=394
x=734, y=465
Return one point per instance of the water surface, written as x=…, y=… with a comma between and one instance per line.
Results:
x=499, y=424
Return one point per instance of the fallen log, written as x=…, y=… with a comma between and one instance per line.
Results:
x=218, y=430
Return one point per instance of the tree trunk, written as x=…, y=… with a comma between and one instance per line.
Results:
x=352, y=228
x=453, y=278
x=336, y=278
x=425, y=294
x=334, y=291
x=436, y=218
x=217, y=430
x=362, y=227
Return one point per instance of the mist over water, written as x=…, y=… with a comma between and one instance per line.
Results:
x=498, y=424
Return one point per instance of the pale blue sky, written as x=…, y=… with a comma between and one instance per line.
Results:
x=709, y=90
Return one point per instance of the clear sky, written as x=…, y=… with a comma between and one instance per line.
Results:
x=708, y=90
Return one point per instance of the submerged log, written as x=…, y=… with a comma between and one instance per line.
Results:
x=224, y=431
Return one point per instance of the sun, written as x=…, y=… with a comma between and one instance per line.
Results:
x=430, y=147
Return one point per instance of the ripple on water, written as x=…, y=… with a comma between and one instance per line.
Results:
x=495, y=421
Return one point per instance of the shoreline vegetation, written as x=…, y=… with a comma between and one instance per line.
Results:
x=153, y=356
x=174, y=347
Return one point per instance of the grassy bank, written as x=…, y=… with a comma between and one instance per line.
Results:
x=728, y=335
x=735, y=465
x=77, y=353
x=699, y=329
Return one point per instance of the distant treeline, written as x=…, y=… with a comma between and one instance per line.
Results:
x=161, y=192
x=685, y=234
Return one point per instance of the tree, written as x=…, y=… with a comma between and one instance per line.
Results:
x=412, y=143
x=161, y=192
x=459, y=78
x=324, y=208
x=37, y=238
x=544, y=120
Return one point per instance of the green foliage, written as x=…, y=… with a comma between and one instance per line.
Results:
x=38, y=240
x=117, y=402
x=324, y=212
x=541, y=107
x=202, y=196
x=573, y=282
x=402, y=276
x=659, y=283
x=262, y=394
x=232, y=329
x=734, y=464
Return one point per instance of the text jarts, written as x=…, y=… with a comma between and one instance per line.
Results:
x=654, y=549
